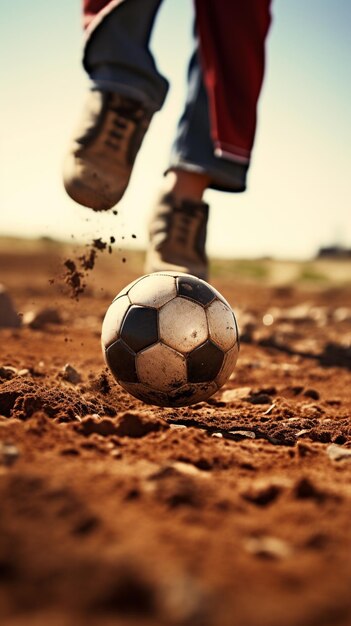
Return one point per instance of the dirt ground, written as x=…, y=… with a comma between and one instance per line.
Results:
x=233, y=512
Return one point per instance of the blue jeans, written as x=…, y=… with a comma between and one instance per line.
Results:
x=117, y=58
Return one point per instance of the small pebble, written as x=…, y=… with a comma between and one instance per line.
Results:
x=8, y=454
x=268, y=547
x=39, y=319
x=260, y=398
x=338, y=453
x=233, y=395
x=311, y=393
x=23, y=372
x=7, y=372
x=302, y=432
x=242, y=434
x=71, y=374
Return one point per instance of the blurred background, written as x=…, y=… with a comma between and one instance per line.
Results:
x=298, y=197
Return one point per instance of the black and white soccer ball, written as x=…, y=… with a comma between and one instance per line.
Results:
x=170, y=339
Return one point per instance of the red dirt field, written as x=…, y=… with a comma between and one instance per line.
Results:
x=232, y=512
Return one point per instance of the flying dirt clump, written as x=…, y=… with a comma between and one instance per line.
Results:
x=73, y=278
x=77, y=269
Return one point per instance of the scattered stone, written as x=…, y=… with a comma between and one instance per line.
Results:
x=259, y=398
x=312, y=411
x=8, y=454
x=247, y=333
x=238, y=435
x=337, y=453
x=116, y=454
x=317, y=541
x=302, y=432
x=217, y=403
x=268, y=547
x=299, y=313
x=311, y=393
x=8, y=316
x=7, y=372
x=305, y=449
x=342, y=314
x=233, y=395
x=178, y=467
x=70, y=451
x=306, y=490
x=23, y=372
x=178, y=488
x=86, y=525
x=70, y=374
x=263, y=492
x=296, y=389
x=39, y=319
x=247, y=324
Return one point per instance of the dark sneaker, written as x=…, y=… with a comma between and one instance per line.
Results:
x=100, y=161
x=177, y=237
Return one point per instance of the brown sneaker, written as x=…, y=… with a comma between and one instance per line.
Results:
x=177, y=237
x=100, y=161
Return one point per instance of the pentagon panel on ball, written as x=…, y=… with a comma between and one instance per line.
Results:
x=170, y=339
x=113, y=320
x=139, y=328
x=195, y=289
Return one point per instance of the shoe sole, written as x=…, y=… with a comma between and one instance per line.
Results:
x=87, y=197
x=82, y=194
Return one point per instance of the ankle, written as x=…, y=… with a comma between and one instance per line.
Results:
x=184, y=185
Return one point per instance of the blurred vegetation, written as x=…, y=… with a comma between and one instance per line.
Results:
x=318, y=273
x=309, y=273
x=243, y=268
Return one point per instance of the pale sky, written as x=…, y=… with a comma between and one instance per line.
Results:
x=299, y=191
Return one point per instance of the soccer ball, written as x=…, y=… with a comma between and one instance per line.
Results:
x=170, y=339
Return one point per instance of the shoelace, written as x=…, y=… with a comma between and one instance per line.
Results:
x=186, y=225
x=125, y=113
